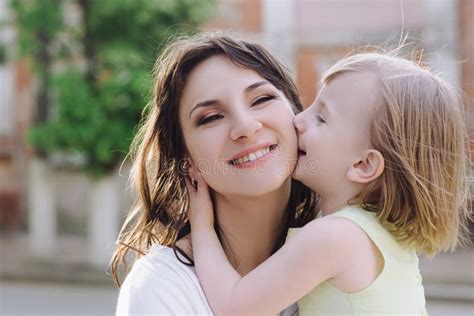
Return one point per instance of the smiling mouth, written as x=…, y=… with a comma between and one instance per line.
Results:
x=254, y=156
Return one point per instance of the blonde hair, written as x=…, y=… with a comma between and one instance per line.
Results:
x=418, y=127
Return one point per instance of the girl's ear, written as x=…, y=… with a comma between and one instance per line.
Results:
x=369, y=168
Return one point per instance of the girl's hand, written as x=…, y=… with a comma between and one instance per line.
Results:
x=200, y=212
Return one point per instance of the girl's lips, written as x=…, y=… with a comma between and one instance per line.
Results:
x=257, y=161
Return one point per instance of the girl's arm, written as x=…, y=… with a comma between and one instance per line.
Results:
x=321, y=250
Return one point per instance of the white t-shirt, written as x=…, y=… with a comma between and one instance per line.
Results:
x=159, y=284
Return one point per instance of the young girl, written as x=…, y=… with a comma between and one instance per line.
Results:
x=384, y=147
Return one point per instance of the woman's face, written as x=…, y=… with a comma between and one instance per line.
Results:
x=238, y=128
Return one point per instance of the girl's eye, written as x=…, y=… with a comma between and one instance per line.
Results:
x=263, y=99
x=209, y=119
x=320, y=119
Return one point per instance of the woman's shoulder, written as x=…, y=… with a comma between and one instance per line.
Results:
x=160, y=283
x=161, y=264
x=159, y=257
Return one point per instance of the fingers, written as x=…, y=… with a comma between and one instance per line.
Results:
x=191, y=188
x=194, y=181
x=200, y=211
x=200, y=183
x=198, y=191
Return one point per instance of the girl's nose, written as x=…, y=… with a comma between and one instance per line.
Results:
x=245, y=126
x=298, y=122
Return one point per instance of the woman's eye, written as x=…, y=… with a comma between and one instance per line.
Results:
x=209, y=119
x=320, y=119
x=263, y=99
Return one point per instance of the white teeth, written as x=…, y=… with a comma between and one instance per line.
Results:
x=252, y=156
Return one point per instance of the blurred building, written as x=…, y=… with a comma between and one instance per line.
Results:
x=308, y=35
x=13, y=123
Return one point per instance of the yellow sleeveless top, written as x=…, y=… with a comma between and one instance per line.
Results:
x=396, y=291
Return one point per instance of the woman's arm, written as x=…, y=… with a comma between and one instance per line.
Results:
x=318, y=252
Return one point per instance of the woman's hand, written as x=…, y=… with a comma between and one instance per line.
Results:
x=200, y=212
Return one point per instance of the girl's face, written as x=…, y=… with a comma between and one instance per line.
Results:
x=238, y=128
x=333, y=133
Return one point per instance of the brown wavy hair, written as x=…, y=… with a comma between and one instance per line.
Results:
x=158, y=150
x=418, y=127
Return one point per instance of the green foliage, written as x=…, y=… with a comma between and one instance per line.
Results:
x=94, y=108
x=37, y=21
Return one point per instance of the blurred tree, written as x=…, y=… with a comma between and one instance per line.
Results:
x=34, y=39
x=89, y=105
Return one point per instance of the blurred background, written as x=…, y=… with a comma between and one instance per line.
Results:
x=74, y=77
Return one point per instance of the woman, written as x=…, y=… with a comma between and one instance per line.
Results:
x=225, y=106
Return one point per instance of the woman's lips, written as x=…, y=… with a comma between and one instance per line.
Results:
x=252, y=149
x=256, y=160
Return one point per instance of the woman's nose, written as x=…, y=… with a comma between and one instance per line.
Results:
x=244, y=126
x=298, y=122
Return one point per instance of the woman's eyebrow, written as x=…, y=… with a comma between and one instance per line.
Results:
x=202, y=104
x=255, y=85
